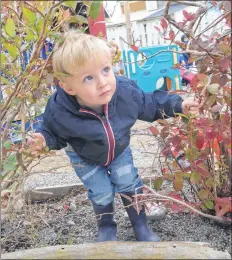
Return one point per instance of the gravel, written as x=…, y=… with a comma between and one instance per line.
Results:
x=51, y=223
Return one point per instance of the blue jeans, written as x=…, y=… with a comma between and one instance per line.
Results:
x=120, y=176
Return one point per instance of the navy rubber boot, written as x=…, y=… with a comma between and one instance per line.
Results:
x=107, y=227
x=139, y=222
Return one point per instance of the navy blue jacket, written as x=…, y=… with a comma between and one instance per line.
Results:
x=100, y=139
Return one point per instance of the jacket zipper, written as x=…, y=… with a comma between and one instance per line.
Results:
x=109, y=132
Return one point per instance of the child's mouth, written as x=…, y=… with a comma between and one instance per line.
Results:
x=105, y=93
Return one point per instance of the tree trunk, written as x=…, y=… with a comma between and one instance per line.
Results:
x=122, y=250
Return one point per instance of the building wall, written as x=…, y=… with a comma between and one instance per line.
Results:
x=147, y=35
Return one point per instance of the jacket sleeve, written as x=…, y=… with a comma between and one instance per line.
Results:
x=156, y=105
x=53, y=141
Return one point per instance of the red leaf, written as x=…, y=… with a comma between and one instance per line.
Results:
x=200, y=141
x=224, y=64
x=210, y=134
x=172, y=35
x=214, y=3
x=176, y=140
x=166, y=151
x=201, y=168
x=222, y=206
x=182, y=24
x=163, y=170
x=157, y=28
x=134, y=48
x=66, y=207
x=154, y=130
x=175, y=207
x=163, y=23
x=223, y=80
x=188, y=16
x=175, y=195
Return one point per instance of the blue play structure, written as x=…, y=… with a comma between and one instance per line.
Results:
x=149, y=73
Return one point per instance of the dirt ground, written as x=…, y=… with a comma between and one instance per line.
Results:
x=71, y=220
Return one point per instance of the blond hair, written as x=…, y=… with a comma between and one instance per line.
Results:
x=77, y=49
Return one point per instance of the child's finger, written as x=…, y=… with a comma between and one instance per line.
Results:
x=192, y=103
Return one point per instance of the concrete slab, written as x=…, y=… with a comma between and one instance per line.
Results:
x=44, y=193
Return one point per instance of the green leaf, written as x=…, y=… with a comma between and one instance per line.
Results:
x=225, y=48
x=204, y=79
x=211, y=100
x=10, y=27
x=95, y=9
x=192, y=153
x=209, y=182
x=13, y=51
x=195, y=177
x=158, y=182
x=209, y=204
x=184, y=120
x=16, y=101
x=7, y=144
x=3, y=57
x=77, y=19
x=213, y=88
x=182, y=115
x=30, y=17
x=10, y=164
x=203, y=194
x=39, y=25
x=6, y=81
x=178, y=182
x=33, y=79
x=71, y=4
x=30, y=35
x=55, y=35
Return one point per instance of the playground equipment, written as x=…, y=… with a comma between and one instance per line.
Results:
x=152, y=64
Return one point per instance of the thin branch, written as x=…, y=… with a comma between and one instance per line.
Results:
x=216, y=218
x=197, y=53
x=214, y=23
x=36, y=9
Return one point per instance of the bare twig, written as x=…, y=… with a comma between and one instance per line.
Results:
x=216, y=218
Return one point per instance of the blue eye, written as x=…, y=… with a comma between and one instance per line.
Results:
x=88, y=78
x=106, y=69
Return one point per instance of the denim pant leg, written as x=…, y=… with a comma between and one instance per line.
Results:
x=95, y=178
x=124, y=174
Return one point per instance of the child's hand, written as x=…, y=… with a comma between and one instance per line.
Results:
x=36, y=142
x=191, y=107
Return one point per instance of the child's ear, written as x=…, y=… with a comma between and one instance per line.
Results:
x=67, y=89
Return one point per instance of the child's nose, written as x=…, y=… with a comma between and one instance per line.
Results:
x=102, y=82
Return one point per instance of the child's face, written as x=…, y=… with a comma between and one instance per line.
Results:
x=93, y=85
